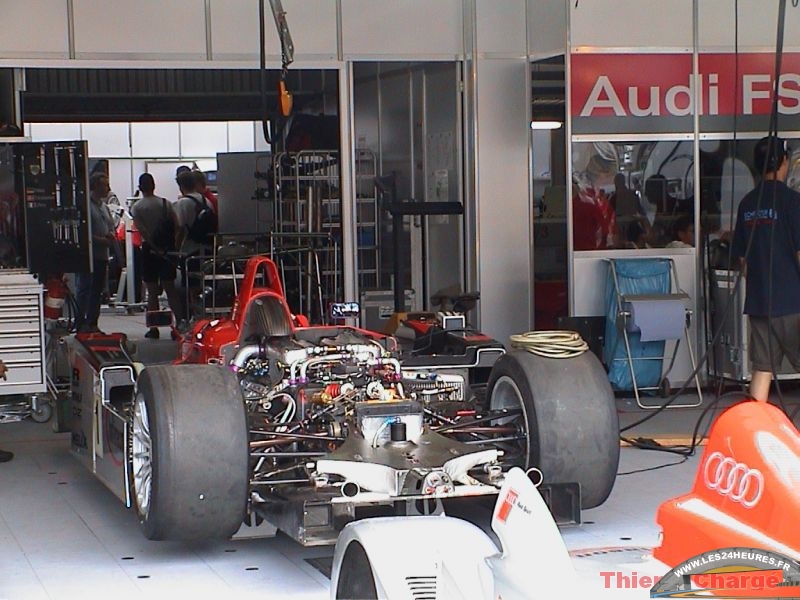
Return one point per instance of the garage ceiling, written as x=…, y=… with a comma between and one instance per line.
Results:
x=108, y=95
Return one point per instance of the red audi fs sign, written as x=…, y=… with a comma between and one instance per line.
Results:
x=653, y=93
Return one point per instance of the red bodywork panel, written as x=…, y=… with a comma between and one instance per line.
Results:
x=745, y=493
x=204, y=342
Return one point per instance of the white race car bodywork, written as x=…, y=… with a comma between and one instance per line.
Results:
x=444, y=558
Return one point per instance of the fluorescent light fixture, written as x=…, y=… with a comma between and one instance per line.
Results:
x=546, y=124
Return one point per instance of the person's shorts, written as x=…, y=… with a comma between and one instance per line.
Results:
x=155, y=267
x=773, y=339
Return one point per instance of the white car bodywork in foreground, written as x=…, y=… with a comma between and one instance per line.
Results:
x=445, y=558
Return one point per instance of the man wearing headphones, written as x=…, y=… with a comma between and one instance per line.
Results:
x=766, y=241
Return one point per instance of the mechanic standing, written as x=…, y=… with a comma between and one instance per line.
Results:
x=766, y=241
x=90, y=286
x=188, y=208
x=156, y=221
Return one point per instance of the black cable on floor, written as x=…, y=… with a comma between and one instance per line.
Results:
x=773, y=128
x=655, y=468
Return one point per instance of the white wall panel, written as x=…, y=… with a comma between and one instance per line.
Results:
x=240, y=136
x=758, y=24
x=44, y=132
x=234, y=30
x=547, y=27
x=261, y=143
x=145, y=28
x=109, y=140
x=631, y=23
x=501, y=27
x=119, y=177
x=504, y=218
x=312, y=24
x=235, y=34
x=155, y=139
x=590, y=275
x=401, y=27
x=200, y=138
x=138, y=167
x=34, y=28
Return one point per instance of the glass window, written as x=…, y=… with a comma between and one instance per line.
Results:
x=727, y=173
x=632, y=195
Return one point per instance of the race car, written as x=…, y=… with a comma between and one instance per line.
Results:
x=263, y=417
x=457, y=560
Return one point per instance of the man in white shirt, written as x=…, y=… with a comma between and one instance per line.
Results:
x=186, y=209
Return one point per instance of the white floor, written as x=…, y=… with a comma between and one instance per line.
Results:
x=63, y=535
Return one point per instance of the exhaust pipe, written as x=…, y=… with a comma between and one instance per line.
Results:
x=350, y=489
x=535, y=475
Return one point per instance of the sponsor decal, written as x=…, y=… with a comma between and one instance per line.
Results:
x=507, y=505
x=636, y=88
x=732, y=479
x=732, y=573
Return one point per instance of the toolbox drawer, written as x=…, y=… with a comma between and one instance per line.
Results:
x=23, y=372
x=22, y=318
x=21, y=343
x=20, y=340
x=15, y=355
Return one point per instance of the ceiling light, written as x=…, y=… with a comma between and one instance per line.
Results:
x=546, y=124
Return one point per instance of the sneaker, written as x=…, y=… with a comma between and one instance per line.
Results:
x=5, y=456
x=152, y=333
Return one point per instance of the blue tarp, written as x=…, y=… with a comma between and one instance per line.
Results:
x=634, y=276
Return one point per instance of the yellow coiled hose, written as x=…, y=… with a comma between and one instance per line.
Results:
x=552, y=344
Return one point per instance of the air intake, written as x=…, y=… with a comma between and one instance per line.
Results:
x=422, y=587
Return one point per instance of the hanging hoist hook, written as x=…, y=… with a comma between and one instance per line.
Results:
x=285, y=100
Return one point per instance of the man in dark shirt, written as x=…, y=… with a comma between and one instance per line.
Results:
x=767, y=241
x=90, y=286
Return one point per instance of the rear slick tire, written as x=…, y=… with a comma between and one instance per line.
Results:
x=569, y=415
x=190, y=453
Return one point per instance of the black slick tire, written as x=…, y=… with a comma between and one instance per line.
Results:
x=570, y=418
x=199, y=452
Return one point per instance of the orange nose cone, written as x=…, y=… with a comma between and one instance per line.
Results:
x=746, y=492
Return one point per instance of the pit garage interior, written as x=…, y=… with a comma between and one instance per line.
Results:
x=472, y=178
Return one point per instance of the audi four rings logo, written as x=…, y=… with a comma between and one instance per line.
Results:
x=733, y=479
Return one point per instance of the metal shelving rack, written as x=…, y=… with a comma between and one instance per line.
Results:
x=308, y=216
x=308, y=225
x=367, y=221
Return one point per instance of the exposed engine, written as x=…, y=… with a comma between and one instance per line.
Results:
x=307, y=395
